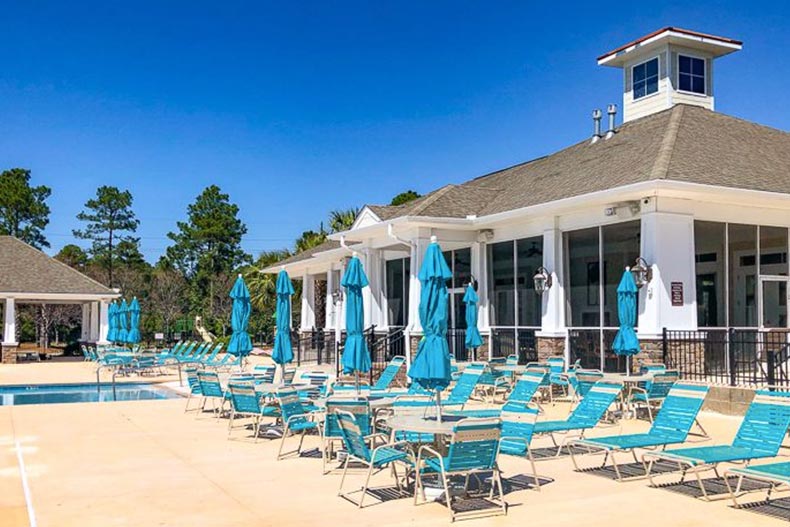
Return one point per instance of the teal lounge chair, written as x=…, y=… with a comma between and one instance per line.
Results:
x=296, y=418
x=759, y=437
x=582, y=381
x=465, y=385
x=207, y=360
x=473, y=451
x=671, y=426
x=387, y=377
x=245, y=402
x=586, y=415
x=774, y=473
x=265, y=372
x=380, y=456
x=525, y=389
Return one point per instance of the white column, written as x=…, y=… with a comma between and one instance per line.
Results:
x=417, y=256
x=9, y=330
x=340, y=311
x=85, y=323
x=93, y=335
x=553, y=314
x=372, y=295
x=480, y=272
x=307, y=320
x=329, y=312
x=103, y=324
x=668, y=247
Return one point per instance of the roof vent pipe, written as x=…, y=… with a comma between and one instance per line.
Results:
x=596, y=125
x=612, y=111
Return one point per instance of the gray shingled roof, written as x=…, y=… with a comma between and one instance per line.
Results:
x=684, y=143
x=24, y=269
x=305, y=255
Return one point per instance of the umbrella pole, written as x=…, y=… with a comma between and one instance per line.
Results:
x=439, y=405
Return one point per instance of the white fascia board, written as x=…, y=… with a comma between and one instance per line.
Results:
x=723, y=195
x=60, y=297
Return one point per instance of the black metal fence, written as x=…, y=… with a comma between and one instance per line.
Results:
x=383, y=346
x=590, y=346
x=510, y=341
x=729, y=356
x=456, y=341
x=314, y=347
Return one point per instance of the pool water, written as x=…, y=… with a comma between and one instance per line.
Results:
x=81, y=393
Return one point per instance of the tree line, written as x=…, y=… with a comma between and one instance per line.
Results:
x=192, y=277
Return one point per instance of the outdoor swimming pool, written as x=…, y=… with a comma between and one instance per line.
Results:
x=81, y=393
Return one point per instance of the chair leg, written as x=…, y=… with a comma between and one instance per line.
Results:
x=534, y=470
x=343, y=477
x=257, y=427
x=447, y=497
x=365, y=486
x=282, y=441
x=501, y=490
x=230, y=422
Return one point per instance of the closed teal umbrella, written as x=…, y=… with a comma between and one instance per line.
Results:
x=431, y=366
x=112, y=322
x=473, y=339
x=133, y=336
x=282, y=353
x=356, y=357
x=121, y=313
x=625, y=342
x=240, y=343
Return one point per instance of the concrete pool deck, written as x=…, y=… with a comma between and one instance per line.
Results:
x=146, y=463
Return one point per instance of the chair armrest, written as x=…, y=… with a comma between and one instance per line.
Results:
x=308, y=415
x=430, y=451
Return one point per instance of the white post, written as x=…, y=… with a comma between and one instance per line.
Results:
x=329, y=319
x=413, y=325
x=94, y=322
x=103, y=322
x=372, y=295
x=553, y=314
x=480, y=272
x=9, y=330
x=662, y=234
x=307, y=320
x=85, y=327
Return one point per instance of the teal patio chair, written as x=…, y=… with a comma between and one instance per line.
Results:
x=288, y=376
x=759, y=437
x=417, y=406
x=245, y=402
x=377, y=458
x=473, y=451
x=211, y=389
x=590, y=410
x=645, y=369
x=653, y=393
x=518, y=427
x=296, y=418
x=265, y=372
x=672, y=426
x=512, y=360
x=332, y=433
x=193, y=385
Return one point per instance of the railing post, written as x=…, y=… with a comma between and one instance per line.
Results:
x=771, y=360
x=664, y=348
x=731, y=366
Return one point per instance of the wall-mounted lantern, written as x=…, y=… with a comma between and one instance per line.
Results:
x=542, y=280
x=642, y=272
x=337, y=296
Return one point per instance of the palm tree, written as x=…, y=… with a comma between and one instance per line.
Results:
x=342, y=220
x=310, y=239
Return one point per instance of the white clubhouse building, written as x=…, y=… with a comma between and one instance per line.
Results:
x=701, y=197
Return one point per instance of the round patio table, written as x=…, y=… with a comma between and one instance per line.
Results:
x=423, y=425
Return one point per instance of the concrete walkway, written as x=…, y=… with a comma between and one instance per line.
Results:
x=149, y=464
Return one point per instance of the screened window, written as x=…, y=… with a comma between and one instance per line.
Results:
x=502, y=284
x=511, y=287
x=691, y=74
x=710, y=263
x=645, y=78
x=398, y=291
x=529, y=257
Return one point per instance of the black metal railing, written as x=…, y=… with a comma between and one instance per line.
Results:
x=314, y=347
x=589, y=346
x=456, y=342
x=383, y=347
x=510, y=341
x=369, y=334
x=731, y=356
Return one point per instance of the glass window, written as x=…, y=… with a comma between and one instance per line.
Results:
x=397, y=291
x=645, y=78
x=742, y=241
x=710, y=258
x=773, y=251
x=501, y=284
x=462, y=267
x=529, y=256
x=691, y=74
x=620, y=249
x=583, y=277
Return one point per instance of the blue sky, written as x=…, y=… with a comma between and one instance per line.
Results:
x=297, y=108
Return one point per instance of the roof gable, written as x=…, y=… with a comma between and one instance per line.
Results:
x=25, y=269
